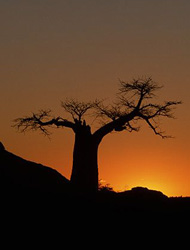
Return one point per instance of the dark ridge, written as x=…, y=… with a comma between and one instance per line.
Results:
x=16, y=172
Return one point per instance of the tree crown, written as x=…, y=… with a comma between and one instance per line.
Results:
x=134, y=102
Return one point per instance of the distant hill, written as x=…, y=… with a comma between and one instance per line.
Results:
x=144, y=193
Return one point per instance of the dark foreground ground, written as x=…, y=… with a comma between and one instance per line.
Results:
x=34, y=194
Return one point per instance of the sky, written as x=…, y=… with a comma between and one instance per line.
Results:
x=57, y=49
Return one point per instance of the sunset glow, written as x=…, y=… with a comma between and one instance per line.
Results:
x=53, y=50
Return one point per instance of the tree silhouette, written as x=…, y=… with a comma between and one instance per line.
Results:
x=134, y=103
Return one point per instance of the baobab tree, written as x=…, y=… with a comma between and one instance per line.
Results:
x=134, y=103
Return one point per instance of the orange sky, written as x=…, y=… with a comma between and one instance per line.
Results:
x=51, y=50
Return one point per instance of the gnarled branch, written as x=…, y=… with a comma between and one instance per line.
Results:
x=41, y=121
x=132, y=106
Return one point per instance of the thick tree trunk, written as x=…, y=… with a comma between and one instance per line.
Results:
x=84, y=175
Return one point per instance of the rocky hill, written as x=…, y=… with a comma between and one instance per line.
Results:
x=17, y=173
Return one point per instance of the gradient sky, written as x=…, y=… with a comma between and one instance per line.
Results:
x=55, y=49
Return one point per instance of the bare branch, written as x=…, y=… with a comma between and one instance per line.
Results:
x=145, y=88
x=118, y=124
x=77, y=109
x=41, y=121
x=130, y=126
x=125, y=102
x=110, y=111
x=157, y=130
x=132, y=107
x=151, y=111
